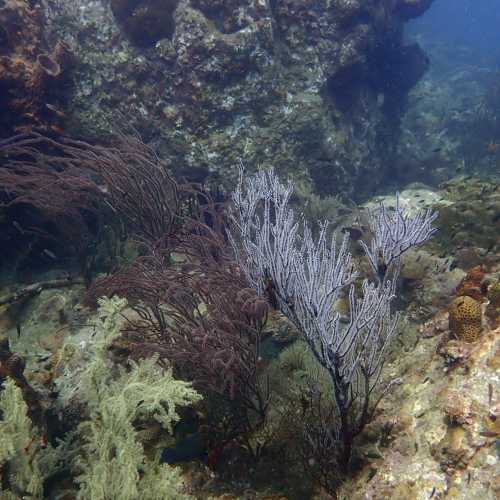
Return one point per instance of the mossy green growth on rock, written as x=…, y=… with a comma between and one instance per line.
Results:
x=104, y=453
x=113, y=464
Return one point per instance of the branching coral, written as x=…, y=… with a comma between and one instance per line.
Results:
x=112, y=462
x=305, y=277
x=74, y=187
x=36, y=171
x=202, y=316
x=24, y=463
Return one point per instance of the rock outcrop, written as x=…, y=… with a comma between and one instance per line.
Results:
x=312, y=87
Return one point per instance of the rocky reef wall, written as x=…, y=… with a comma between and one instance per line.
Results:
x=33, y=72
x=315, y=88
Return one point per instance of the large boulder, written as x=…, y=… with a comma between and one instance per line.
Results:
x=314, y=87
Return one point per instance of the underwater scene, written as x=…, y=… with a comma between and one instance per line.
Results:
x=249, y=249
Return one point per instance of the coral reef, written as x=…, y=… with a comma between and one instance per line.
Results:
x=469, y=221
x=33, y=73
x=295, y=84
x=465, y=318
x=436, y=435
x=113, y=456
x=433, y=434
x=100, y=447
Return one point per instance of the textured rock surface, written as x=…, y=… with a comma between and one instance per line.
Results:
x=313, y=87
x=32, y=71
x=437, y=434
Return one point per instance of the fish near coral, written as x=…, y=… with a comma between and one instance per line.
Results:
x=465, y=319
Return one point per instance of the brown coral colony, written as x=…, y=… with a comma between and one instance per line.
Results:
x=465, y=319
x=32, y=71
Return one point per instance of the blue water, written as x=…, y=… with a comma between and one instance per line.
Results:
x=470, y=29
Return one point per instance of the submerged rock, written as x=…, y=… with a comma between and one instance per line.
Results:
x=309, y=87
x=447, y=445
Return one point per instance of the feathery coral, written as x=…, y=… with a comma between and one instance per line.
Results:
x=113, y=464
x=28, y=464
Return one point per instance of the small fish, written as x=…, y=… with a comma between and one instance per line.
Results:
x=489, y=434
x=344, y=211
x=381, y=267
x=18, y=329
x=50, y=254
x=111, y=206
x=355, y=232
x=437, y=150
x=18, y=226
x=57, y=129
x=493, y=148
x=56, y=111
